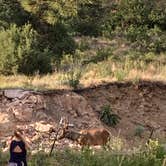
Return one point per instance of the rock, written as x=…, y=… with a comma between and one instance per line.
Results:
x=23, y=114
x=40, y=127
x=75, y=102
x=6, y=124
x=15, y=93
x=31, y=99
x=35, y=138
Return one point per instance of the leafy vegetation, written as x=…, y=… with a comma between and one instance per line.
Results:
x=40, y=37
x=21, y=53
x=108, y=117
x=139, y=130
x=72, y=70
x=152, y=155
x=50, y=28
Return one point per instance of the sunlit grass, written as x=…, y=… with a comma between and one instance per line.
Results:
x=150, y=155
x=107, y=71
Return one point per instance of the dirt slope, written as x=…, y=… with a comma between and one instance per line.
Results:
x=36, y=112
x=137, y=104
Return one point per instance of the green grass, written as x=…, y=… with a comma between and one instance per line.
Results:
x=124, y=68
x=152, y=155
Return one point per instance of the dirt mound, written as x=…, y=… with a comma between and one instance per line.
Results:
x=143, y=103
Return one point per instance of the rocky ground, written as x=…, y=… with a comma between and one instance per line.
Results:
x=36, y=112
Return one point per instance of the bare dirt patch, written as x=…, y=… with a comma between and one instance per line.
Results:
x=142, y=103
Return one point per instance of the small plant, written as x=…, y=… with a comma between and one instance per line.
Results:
x=84, y=45
x=120, y=75
x=72, y=69
x=115, y=144
x=74, y=80
x=108, y=117
x=139, y=130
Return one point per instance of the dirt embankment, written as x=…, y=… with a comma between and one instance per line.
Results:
x=143, y=103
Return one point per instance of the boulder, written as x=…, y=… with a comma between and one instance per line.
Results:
x=15, y=93
x=7, y=124
x=41, y=127
x=23, y=114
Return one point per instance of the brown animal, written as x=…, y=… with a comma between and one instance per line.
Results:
x=96, y=136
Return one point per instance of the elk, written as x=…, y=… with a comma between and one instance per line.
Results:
x=95, y=136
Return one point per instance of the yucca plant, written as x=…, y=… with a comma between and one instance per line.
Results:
x=108, y=117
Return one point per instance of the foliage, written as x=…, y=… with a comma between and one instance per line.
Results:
x=101, y=55
x=3, y=158
x=120, y=75
x=21, y=53
x=12, y=12
x=108, y=117
x=51, y=11
x=140, y=25
x=89, y=18
x=54, y=23
x=139, y=130
x=88, y=157
x=115, y=144
x=72, y=68
x=58, y=41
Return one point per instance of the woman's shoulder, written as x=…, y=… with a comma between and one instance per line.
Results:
x=17, y=141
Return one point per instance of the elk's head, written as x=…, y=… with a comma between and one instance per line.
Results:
x=64, y=131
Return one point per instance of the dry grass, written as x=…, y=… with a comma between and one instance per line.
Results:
x=106, y=71
x=49, y=81
x=126, y=71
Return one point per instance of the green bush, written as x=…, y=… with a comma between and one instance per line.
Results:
x=108, y=117
x=142, y=22
x=4, y=157
x=90, y=18
x=20, y=52
x=151, y=155
x=120, y=75
x=12, y=12
x=71, y=66
x=139, y=130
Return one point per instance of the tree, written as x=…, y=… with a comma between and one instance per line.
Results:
x=12, y=12
x=51, y=11
x=90, y=18
x=20, y=52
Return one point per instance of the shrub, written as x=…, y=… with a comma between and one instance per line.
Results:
x=90, y=18
x=89, y=157
x=115, y=144
x=101, y=55
x=108, y=117
x=4, y=157
x=12, y=12
x=71, y=67
x=120, y=75
x=139, y=130
x=142, y=22
x=20, y=52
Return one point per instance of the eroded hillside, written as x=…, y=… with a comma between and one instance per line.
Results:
x=142, y=103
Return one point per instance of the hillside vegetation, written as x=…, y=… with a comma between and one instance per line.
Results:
x=82, y=46
x=71, y=42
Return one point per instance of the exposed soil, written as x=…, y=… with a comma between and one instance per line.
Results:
x=142, y=103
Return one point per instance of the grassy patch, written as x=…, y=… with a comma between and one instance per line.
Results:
x=152, y=155
x=125, y=68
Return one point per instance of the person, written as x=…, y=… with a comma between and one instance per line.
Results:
x=18, y=149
